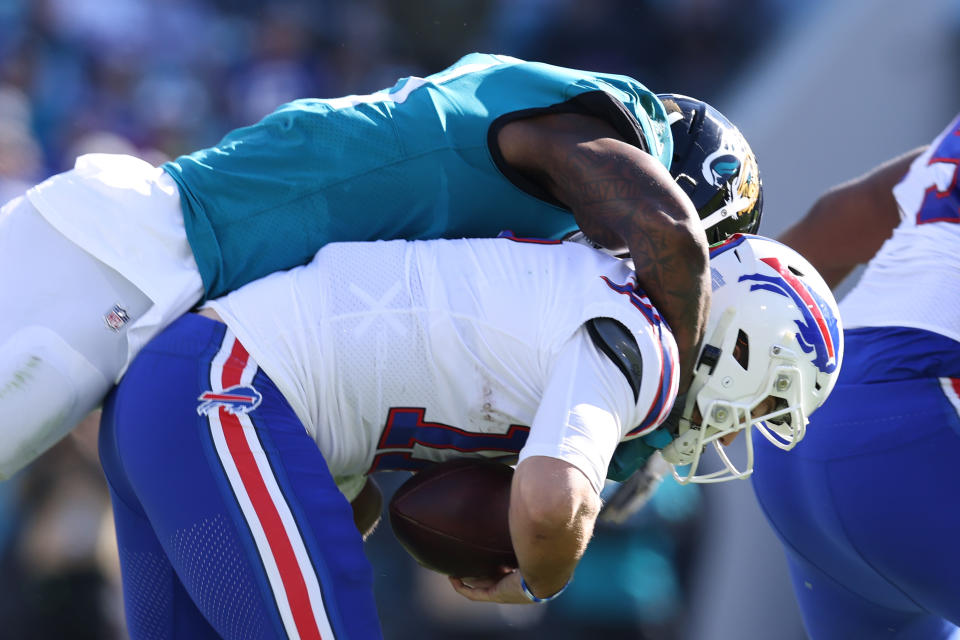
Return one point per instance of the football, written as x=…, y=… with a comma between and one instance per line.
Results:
x=452, y=517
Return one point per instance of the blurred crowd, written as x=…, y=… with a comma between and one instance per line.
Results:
x=172, y=76
x=157, y=78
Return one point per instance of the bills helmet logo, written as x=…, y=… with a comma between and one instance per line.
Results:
x=238, y=399
x=818, y=332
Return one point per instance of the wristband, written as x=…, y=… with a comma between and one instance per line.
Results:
x=533, y=598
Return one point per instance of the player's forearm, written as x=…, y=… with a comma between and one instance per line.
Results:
x=820, y=237
x=672, y=270
x=848, y=224
x=623, y=198
x=552, y=512
x=548, y=554
x=632, y=200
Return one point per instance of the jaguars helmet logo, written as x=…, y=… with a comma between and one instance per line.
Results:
x=733, y=168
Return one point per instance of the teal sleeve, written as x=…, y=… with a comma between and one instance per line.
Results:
x=633, y=454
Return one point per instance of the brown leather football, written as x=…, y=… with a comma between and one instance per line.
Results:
x=452, y=517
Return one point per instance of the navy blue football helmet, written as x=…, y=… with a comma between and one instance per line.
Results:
x=715, y=166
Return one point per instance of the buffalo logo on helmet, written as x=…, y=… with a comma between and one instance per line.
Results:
x=237, y=400
x=819, y=330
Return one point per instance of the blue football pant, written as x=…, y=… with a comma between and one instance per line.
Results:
x=229, y=524
x=867, y=509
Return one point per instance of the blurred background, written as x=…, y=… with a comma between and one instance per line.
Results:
x=822, y=90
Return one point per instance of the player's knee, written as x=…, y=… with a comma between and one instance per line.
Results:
x=46, y=388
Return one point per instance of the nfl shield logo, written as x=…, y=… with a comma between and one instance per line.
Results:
x=116, y=318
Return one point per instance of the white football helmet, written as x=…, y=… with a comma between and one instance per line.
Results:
x=773, y=331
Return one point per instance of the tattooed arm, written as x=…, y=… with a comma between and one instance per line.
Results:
x=623, y=197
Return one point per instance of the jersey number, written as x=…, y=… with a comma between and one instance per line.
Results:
x=941, y=200
x=410, y=443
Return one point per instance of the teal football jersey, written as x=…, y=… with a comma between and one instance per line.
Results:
x=414, y=161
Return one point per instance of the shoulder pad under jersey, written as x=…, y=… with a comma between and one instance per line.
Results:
x=616, y=341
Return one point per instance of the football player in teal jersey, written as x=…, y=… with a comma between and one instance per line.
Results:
x=489, y=144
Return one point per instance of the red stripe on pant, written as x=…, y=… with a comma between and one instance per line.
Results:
x=283, y=553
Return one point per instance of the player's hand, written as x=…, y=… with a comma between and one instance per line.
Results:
x=504, y=590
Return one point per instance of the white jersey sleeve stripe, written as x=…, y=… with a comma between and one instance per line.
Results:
x=666, y=354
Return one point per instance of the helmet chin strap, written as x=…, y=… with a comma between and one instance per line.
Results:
x=682, y=451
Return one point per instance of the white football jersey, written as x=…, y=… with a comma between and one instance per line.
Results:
x=914, y=280
x=394, y=354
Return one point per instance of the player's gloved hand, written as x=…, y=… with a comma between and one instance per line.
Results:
x=505, y=589
x=633, y=454
x=634, y=493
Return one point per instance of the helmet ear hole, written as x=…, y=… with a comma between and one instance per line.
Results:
x=741, y=351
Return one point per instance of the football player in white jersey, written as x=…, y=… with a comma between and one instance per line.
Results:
x=238, y=437
x=866, y=508
x=490, y=143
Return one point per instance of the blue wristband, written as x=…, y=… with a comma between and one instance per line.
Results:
x=533, y=598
